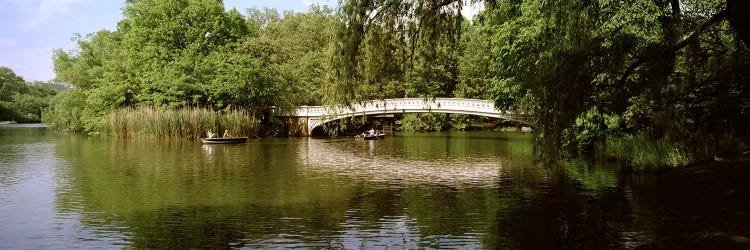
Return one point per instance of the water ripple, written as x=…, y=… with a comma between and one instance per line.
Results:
x=320, y=156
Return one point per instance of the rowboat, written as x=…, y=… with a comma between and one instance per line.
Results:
x=7, y=122
x=374, y=137
x=224, y=140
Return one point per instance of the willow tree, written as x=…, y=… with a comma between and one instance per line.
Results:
x=574, y=62
x=389, y=48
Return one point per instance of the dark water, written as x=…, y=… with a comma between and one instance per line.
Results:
x=468, y=190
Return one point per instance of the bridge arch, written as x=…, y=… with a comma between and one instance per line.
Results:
x=319, y=115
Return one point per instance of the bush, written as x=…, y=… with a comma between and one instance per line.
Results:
x=597, y=177
x=66, y=111
x=591, y=128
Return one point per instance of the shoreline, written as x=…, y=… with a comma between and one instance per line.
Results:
x=709, y=201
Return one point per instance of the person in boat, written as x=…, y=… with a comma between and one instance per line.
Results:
x=210, y=134
x=226, y=134
x=372, y=131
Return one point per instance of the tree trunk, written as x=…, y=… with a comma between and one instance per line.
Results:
x=739, y=19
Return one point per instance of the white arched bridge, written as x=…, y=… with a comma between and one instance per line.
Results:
x=314, y=116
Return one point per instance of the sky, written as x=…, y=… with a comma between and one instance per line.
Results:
x=31, y=29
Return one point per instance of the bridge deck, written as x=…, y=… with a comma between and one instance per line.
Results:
x=318, y=115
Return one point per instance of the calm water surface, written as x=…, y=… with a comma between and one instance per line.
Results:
x=468, y=190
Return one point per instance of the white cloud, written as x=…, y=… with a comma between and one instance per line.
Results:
x=44, y=10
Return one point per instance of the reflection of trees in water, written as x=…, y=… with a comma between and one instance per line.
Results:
x=22, y=150
x=173, y=195
x=581, y=206
x=309, y=193
x=20, y=162
x=562, y=216
x=182, y=195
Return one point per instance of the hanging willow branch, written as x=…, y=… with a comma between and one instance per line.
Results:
x=716, y=18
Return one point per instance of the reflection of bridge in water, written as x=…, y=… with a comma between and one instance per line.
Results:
x=362, y=160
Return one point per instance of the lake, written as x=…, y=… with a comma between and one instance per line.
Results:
x=469, y=190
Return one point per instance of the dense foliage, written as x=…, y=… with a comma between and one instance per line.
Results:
x=588, y=70
x=666, y=70
x=22, y=101
x=188, y=53
x=193, y=53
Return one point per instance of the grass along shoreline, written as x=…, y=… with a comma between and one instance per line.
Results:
x=184, y=123
x=645, y=154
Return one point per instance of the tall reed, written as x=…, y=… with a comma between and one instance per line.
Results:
x=184, y=123
x=643, y=154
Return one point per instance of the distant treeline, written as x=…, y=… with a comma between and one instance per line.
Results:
x=23, y=101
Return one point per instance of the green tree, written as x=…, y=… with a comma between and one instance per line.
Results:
x=301, y=46
x=668, y=68
x=179, y=53
x=22, y=101
x=387, y=43
x=475, y=62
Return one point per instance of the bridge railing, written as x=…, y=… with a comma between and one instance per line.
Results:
x=456, y=104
